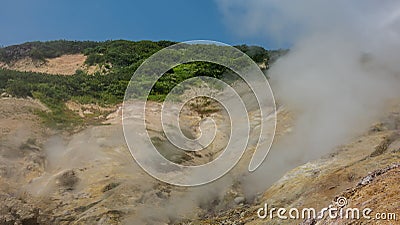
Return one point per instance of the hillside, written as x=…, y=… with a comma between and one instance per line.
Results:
x=101, y=72
x=100, y=183
x=64, y=159
x=96, y=57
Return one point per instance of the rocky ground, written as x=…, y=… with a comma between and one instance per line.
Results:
x=21, y=158
x=376, y=191
x=364, y=171
x=89, y=177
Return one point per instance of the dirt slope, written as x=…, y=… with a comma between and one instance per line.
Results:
x=63, y=65
x=317, y=183
x=90, y=178
x=21, y=158
x=376, y=191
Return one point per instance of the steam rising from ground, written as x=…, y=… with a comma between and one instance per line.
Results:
x=343, y=66
x=341, y=69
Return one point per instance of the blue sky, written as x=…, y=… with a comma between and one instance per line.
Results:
x=177, y=20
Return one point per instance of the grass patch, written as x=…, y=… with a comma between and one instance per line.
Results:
x=59, y=116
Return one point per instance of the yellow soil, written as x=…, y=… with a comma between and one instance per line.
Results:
x=63, y=65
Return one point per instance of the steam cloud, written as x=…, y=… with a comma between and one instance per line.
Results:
x=341, y=70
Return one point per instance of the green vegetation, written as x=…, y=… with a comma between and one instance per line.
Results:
x=41, y=50
x=122, y=59
x=123, y=53
x=257, y=53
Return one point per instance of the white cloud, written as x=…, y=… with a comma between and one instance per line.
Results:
x=285, y=21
